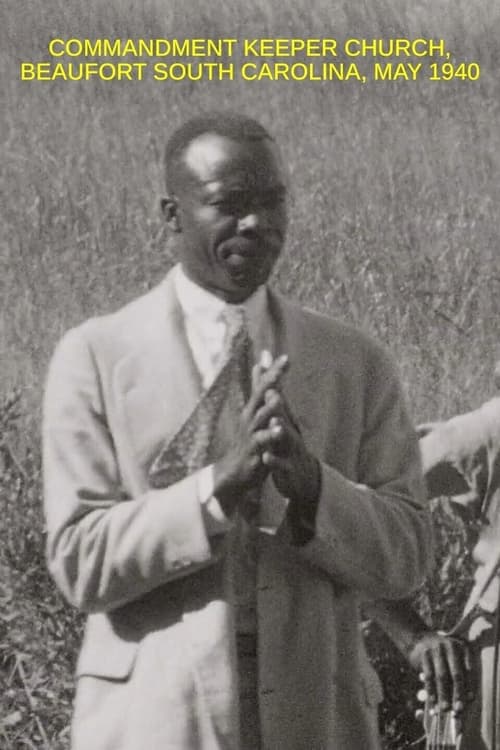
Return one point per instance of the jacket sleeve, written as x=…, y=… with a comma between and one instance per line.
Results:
x=375, y=534
x=105, y=548
x=461, y=457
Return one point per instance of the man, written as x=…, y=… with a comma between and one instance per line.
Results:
x=461, y=459
x=221, y=560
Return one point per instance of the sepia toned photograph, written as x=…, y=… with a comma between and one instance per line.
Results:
x=250, y=375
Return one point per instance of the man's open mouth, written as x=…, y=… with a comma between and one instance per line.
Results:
x=243, y=258
x=238, y=260
x=240, y=248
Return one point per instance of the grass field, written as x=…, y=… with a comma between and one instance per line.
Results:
x=394, y=206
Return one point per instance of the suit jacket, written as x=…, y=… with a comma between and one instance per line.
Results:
x=157, y=665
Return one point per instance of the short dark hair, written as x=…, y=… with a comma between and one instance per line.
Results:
x=228, y=124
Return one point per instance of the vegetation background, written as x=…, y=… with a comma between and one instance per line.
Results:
x=393, y=226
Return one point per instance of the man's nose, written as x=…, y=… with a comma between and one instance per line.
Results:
x=250, y=222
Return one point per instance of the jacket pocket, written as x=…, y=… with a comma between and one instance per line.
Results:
x=104, y=653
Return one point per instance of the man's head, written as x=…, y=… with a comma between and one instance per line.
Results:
x=226, y=199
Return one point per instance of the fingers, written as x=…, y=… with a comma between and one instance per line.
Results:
x=274, y=461
x=266, y=359
x=268, y=366
x=443, y=678
x=265, y=378
x=259, y=367
x=264, y=440
x=270, y=418
x=436, y=678
x=278, y=456
x=471, y=670
x=428, y=678
x=456, y=661
x=447, y=675
x=271, y=408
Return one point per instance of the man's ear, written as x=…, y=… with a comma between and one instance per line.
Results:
x=170, y=209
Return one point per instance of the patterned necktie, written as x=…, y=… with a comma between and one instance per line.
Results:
x=189, y=449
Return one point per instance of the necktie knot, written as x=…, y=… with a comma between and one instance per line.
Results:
x=234, y=317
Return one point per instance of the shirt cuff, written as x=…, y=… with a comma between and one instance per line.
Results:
x=216, y=521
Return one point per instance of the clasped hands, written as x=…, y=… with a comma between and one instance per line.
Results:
x=268, y=441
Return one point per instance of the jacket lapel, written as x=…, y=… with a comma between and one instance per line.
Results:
x=160, y=384
x=292, y=336
x=159, y=381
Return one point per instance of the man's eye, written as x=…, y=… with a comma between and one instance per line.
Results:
x=240, y=202
x=231, y=203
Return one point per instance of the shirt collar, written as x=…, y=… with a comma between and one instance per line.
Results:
x=199, y=304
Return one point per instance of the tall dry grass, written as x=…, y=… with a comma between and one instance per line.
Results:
x=394, y=196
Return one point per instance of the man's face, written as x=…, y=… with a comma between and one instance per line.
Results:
x=229, y=207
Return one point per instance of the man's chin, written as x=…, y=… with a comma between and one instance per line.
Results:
x=235, y=289
x=238, y=292
x=244, y=281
